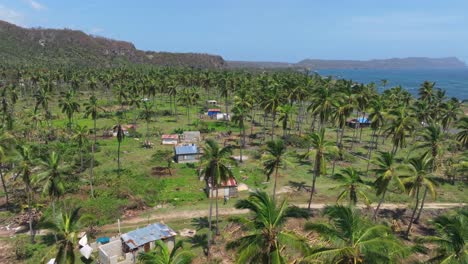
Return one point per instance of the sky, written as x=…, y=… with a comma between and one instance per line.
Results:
x=260, y=30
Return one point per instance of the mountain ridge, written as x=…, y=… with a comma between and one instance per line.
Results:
x=65, y=46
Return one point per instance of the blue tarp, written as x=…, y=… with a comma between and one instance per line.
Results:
x=214, y=112
x=103, y=240
x=363, y=120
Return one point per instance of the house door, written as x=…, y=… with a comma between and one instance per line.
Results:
x=147, y=247
x=226, y=192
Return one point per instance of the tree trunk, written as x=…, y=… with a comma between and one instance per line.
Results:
x=274, y=185
x=414, y=213
x=273, y=115
x=31, y=229
x=55, y=217
x=210, y=193
x=7, y=202
x=93, y=150
x=314, y=178
x=376, y=212
x=118, y=159
x=217, y=220
x=422, y=206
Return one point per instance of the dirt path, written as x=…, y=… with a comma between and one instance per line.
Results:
x=189, y=214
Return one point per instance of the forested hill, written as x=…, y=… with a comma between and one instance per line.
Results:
x=72, y=47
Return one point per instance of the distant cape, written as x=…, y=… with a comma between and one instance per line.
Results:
x=394, y=63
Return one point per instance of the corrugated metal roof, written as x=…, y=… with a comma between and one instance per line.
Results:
x=231, y=182
x=153, y=232
x=170, y=136
x=181, y=150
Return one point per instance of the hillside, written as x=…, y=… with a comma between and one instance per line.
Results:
x=63, y=46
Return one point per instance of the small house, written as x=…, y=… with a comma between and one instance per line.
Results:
x=358, y=122
x=170, y=139
x=127, y=248
x=212, y=112
x=191, y=137
x=125, y=128
x=211, y=102
x=186, y=153
x=225, y=189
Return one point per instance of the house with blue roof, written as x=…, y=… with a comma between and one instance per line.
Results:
x=186, y=153
x=126, y=249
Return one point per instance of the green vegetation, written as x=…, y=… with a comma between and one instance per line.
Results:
x=57, y=151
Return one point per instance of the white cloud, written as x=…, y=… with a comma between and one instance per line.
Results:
x=11, y=16
x=36, y=5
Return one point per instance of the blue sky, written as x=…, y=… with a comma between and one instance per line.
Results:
x=263, y=30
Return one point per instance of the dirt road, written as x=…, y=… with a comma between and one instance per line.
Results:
x=189, y=214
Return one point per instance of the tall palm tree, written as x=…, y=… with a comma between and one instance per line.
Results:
x=351, y=238
x=25, y=166
x=91, y=110
x=320, y=147
x=240, y=114
x=462, y=135
x=450, y=112
x=80, y=137
x=266, y=239
x=147, y=114
x=450, y=239
x=216, y=165
x=420, y=178
x=352, y=186
x=401, y=125
x=120, y=138
x=51, y=177
x=274, y=159
x=388, y=173
x=67, y=226
x=7, y=143
x=162, y=255
x=69, y=105
x=285, y=112
x=433, y=138
x=188, y=97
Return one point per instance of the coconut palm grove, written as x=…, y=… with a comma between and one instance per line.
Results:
x=81, y=150
x=114, y=155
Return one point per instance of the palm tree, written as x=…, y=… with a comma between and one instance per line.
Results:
x=216, y=165
x=80, y=137
x=51, y=177
x=401, y=125
x=451, y=112
x=188, y=97
x=462, y=135
x=321, y=147
x=352, y=186
x=120, y=138
x=162, y=255
x=285, y=113
x=147, y=114
x=450, y=238
x=24, y=168
x=420, y=167
x=351, y=238
x=7, y=143
x=266, y=238
x=91, y=109
x=67, y=226
x=240, y=113
x=274, y=159
x=433, y=138
x=388, y=173
x=69, y=105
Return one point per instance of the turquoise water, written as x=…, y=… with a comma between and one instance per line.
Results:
x=454, y=81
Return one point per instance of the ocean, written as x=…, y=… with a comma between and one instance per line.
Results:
x=453, y=81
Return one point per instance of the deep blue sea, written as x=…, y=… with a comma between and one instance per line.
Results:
x=454, y=81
